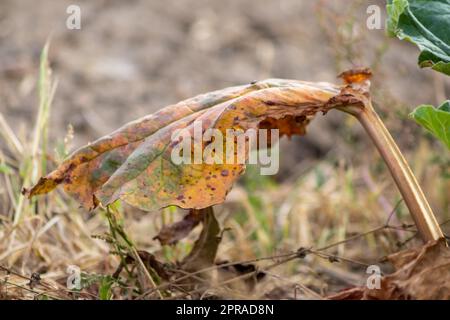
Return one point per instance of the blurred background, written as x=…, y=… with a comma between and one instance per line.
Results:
x=131, y=58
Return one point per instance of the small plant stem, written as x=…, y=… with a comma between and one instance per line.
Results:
x=412, y=194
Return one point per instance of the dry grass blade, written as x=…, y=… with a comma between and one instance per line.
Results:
x=10, y=138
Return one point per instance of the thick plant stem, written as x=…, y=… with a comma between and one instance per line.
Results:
x=412, y=194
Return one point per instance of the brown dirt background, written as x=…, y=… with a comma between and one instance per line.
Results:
x=131, y=58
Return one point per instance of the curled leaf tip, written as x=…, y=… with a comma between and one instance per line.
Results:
x=43, y=186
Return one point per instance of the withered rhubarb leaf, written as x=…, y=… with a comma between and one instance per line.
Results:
x=134, y=163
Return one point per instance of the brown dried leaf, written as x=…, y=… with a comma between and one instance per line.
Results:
x=421, y=273
x=171, y=234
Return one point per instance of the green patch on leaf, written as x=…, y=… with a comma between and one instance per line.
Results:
x=435, y=120
x=426, y=23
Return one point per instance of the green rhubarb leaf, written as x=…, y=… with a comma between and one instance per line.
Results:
x=426, y=23
x=435, y=120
